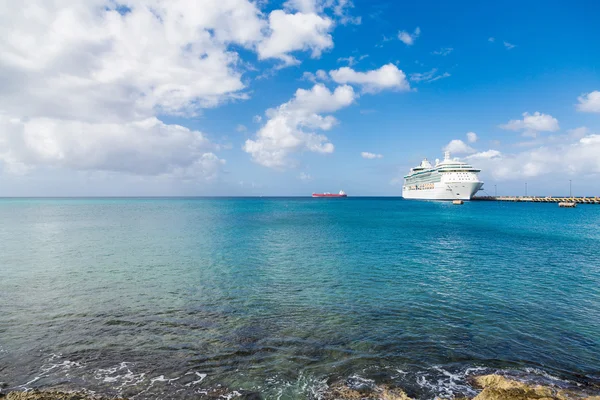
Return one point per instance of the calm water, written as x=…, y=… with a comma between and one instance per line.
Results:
x=171, y=298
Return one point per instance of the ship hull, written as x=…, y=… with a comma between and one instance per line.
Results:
x=445, y=191
x=329, y=195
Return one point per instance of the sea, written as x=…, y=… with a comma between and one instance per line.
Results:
x=279, y=298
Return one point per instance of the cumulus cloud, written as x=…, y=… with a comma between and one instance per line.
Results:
x=320, y=75
x=531, y=124
x=92, y=61
x=370, y=156
x=87, y=60
x=305, y=6
x=145, y=147
x=472, y=137
x=339, y=8
x=292, y=126
x=84, y=81
x=589, y=102
x=484, y=155
x=457, y=146
x=429, y=76
x=578, y=133
x=563, y=158
x=386, y=77
x=409, y=38
x=293, y=32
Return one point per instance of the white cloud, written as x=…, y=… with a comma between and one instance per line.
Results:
x=143, y=147
x=370, y=156
x=291, y=126
x=241, y=128
x=407, y=38
x=304, y=6
x=457, y=146
x=566, y=158
x=83, y=81
x=85, y=60
x=305, y=177
x=293, y=32
x=509, y=46
x=578, y=133
x=491, y=39
x=429, y=76
x=444, y=51
x=386, y=77
x=351, y=60
x=472, y=137
x=339, y=8
x=484, y=155
x=257, y=119
x=532, y=124
x=589, y=102
x=320, y=75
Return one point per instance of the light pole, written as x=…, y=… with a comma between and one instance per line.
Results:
x=570, y=191
x=495, y=191
x=525, y=189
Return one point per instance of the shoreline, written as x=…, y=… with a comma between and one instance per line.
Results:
x=494, y=386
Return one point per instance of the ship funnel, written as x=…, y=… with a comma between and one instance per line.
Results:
x=437, y=161
x=446, y=155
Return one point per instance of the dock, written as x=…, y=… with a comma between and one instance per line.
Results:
x=538, y=199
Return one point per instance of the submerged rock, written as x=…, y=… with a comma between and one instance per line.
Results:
x=54, y=395
x=215, y=393
x=498, y=387
x=351, y=391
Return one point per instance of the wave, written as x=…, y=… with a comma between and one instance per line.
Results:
x=126, y=379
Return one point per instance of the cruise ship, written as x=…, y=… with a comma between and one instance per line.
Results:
x=450, y=179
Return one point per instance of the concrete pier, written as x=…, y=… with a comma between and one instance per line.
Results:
x=537, y=199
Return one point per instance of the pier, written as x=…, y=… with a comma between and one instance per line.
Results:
x=537, y=199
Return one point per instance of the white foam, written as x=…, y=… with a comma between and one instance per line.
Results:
x=52, y=367
x=162, y=378
x=447, y=384
x=198, y=374
x=539, y=372
x=119, y=374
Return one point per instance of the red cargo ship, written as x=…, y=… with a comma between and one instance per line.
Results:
x=340, y=194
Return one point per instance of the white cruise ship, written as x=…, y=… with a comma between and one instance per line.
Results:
x=450, y=179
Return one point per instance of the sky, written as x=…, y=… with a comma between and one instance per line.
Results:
x=286, y=98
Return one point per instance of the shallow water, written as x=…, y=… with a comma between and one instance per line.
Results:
x=173, y=298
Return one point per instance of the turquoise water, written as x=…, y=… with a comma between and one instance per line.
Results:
x=174, y=298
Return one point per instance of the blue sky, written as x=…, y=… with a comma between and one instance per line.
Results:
x=73, y=117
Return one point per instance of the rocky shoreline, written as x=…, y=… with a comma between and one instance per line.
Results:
x=492, y=387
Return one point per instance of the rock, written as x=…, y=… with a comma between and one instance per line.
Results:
x=498, y=387
x=52, y=395
x=251, y=396
x=342, y=391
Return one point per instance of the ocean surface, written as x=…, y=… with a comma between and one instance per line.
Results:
x=191, y=298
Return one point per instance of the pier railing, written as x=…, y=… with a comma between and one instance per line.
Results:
x=538, y=199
